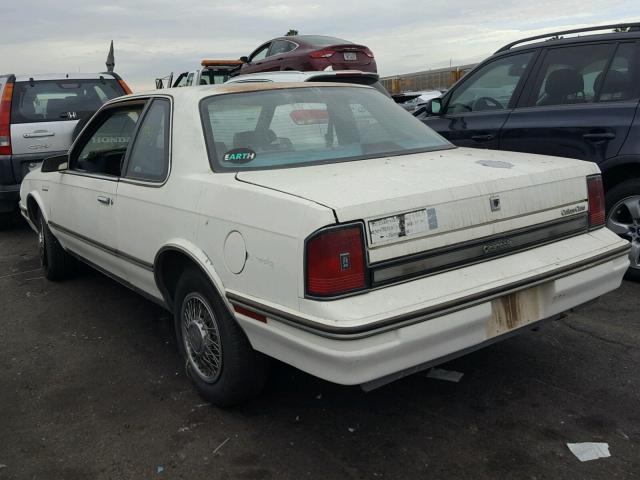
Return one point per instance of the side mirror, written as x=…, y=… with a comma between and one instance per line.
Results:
x=244, y=59
x=159, y=84
x=434, y=106
x=55, y=164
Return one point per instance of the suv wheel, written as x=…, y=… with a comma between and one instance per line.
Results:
x=218, y=357
x=623, y=218
x=5, y=220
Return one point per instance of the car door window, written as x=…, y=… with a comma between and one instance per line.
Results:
x=149, y=157
x=181, y=81
x=189, y=80
x=491, y=87
x=104, y=150
x=569, y=75
x=281, y=46
x=260, y=54
x=618, y=83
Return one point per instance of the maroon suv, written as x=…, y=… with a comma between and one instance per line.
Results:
x=309, y=53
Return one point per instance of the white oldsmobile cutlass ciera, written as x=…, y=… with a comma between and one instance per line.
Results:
x=321, y=225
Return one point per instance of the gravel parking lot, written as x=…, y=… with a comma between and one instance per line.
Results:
x=91, y=388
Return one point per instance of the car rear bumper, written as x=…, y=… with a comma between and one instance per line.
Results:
x=426, y=337
x=9, y=197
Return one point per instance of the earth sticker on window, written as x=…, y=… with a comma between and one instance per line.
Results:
x=239, y=155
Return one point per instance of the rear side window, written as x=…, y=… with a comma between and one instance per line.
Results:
x=571, y=75
x=60, y=100
x=149, y=158
x=618, y=84
x=281, y=46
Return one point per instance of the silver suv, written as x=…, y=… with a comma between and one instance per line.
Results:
x=39, y=117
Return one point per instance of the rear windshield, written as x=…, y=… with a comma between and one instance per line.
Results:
x=357, y=79
x=60, y=100
x=308, y=126
x=322, y=41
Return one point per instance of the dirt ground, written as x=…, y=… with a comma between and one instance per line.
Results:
x=91, y=388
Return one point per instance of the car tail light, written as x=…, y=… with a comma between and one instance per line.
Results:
x=335, y=261
x=124, y=86
x=5, y=119
x=368, y=53
x=325, y=53
x=595, y=192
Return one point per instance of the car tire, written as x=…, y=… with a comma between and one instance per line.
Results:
x=6, y=219
x=55, y=261
x=623, y=217
x=218, y=357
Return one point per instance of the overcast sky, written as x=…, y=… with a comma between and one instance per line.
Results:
x=153, y=38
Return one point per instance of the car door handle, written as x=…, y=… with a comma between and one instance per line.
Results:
x=38, y=134
x=105, y=200
x=483, y=138
x=595, y=137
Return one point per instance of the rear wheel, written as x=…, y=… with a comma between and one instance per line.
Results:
x=218, y=356
x=55, y=261
x=623, y=218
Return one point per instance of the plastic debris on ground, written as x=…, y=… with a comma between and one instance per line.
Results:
x=159, y=469
x=220, y=446
x=589, y=450
x=442, y=374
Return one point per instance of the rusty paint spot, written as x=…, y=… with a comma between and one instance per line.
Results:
x=513, y=311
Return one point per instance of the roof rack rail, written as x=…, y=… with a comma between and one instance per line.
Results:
x=633, y=26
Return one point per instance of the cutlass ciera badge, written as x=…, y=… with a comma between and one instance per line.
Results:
x=497, y=245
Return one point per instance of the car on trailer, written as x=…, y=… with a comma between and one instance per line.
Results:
x=309, y=53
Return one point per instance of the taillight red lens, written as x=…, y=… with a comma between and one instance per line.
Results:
x=368, y=53
x=596, y=201
x=335, y=261
x=326, y=53
x=5, y=119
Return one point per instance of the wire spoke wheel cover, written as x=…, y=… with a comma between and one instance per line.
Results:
x=624, y=219
x=201, y=337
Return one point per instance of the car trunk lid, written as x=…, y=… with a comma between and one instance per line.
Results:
x=413, y=203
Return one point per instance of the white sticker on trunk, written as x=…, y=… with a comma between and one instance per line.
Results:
x=384, y=229
x=402, y=225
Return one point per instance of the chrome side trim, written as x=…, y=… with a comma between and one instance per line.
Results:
x=121, y=281
x=477, y=250
x=395, y=322
x=136, y=261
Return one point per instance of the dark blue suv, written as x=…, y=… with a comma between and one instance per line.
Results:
x=572, y=97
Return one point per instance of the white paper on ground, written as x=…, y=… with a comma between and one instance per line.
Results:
x=589, y=450
x=442, y=374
